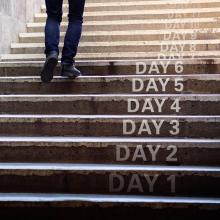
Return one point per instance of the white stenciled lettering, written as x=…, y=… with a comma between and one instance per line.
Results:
x=153, y=84
x=139, y=183
x=172, y=47
x=134, y=105
x=146, y=153
x=155, y=67
x=171, y=157
x=116, y=183
x=148, y=127
x=135, y=183
x=151, y=181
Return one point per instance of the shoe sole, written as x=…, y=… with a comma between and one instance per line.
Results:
x=70, y=76
x=48, y=70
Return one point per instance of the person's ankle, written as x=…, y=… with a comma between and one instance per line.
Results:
x=67, y=64
x=54, y=54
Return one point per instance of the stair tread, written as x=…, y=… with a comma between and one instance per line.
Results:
x=123, y=43
x=130, y=32
x=127, y=95
x=93, y=198
x=123, y=77
x=134, y=21
x=76, y=139
x=205, y=55
x=91, y=167
x=95, y=63
x=144, y=11
x=105, y=97
x=137, y=117
x=130, y=3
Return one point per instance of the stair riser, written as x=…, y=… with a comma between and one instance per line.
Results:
x=122, y=27
x=110, y=127
x=111, y=153
x=121, y=208
x=111, y=106
x=115, y=87
x=109, y=68
x=161, y=15
x=128, y=37
x=143, y=6
x=100, y=183
x=110, y=49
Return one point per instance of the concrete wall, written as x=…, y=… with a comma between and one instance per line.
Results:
x=14, y=14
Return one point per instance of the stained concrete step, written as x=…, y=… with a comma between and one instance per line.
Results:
x=143, y=5
x=179, y=13
x=134, y=24
x=111, y=150
x=208, y=56
x=126, y=46
x=111, y=125
x=120, y=67
x=157, y=84
x=78, y=200
x=134, y=35
x=107, y=104
x=195, y=181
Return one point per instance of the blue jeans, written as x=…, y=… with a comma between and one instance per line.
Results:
x=74, y=30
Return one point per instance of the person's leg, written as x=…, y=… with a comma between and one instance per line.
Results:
x=52, y=28
x=74, y=30
x=52, y=38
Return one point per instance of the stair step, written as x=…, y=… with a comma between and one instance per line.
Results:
x=143, y=14
x=157, y=84
x=108, y=104
x=134, y=35
x=110, y=179
x=111, y=125
x=120, y=67
x=199, y=55
x=111, y=150
x=77, y=200
x=143, y=5
x=134, y=24
x=126, y=46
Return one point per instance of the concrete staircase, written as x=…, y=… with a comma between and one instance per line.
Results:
x=114, y=137
x=116, y=30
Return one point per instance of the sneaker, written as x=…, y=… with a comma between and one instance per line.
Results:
x=49, y=67
x=70, y=71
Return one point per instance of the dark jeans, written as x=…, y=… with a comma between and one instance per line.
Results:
x=74, y=30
